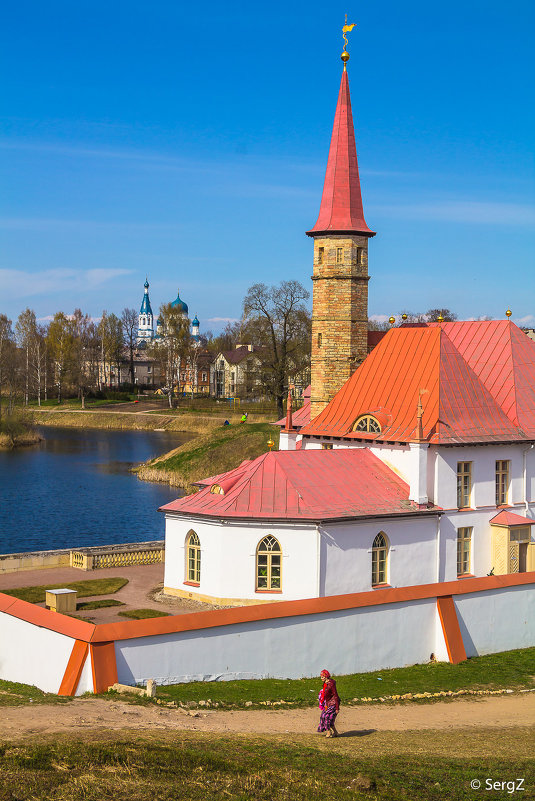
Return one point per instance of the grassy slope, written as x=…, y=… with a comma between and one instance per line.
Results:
x=507, y=670
x=378, y=766
x=224, y=448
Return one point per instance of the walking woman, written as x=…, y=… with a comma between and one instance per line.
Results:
x=329, y=703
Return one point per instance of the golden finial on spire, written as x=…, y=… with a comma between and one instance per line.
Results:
x=391, y=320
x=404, y=317
x=346, y=29
x=440, y=318
x=508, y=313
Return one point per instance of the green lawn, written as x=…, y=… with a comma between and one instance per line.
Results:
x=186, y=766
x=85, y=589
x=142, y=614
x=99, y=604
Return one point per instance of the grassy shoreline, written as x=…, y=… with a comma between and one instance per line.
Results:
x=221, y=449
x=132, y=421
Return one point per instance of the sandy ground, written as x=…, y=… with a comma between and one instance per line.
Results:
x=95, y=713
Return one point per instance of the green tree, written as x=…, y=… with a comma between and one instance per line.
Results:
x=282, y=326
x=26, y=330
x=112, y=347
x=8, y=357
x=61, y=345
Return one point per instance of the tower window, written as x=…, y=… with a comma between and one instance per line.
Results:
x=360, y=252
x=319, y=340
x=339, y=255
x=321, y=252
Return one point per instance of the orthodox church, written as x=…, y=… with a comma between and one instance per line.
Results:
x=413, y=464
x=146, y=333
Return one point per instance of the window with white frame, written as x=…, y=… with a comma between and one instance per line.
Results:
x=379, y=559
x=503, y=467
x=193, y=558
x=268, y=564
x=464, y=550
x=464, y=484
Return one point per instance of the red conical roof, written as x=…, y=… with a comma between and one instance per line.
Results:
x=341, y=202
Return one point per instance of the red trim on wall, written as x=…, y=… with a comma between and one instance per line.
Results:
x=451, y=629
x=74, y=668
x=103, y=666
x=192, y=583
x=106, y=632
x=46, y=619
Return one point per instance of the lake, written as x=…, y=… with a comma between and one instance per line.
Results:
x=75, y=489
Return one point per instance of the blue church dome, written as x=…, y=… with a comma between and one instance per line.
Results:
x=179, y=304
x=195, y=321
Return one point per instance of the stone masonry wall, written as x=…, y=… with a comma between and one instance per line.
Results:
x=339, y=314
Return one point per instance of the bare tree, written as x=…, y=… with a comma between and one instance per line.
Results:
x=129, y=320
x=173, y=347
x=283, y=330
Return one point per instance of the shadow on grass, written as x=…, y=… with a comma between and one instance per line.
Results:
x=356, y=733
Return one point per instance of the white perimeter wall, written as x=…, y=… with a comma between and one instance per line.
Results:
x=349, y=641
x=228, y=558
x=33, y=655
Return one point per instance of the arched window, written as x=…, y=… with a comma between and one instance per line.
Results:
x=368, y=423
x=217, y=489
x=379, y=559
x=193, y=557
x=268, y=564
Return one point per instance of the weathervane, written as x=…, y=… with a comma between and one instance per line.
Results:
x=346, y=29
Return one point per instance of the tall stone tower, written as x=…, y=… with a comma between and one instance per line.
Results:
x=340, y=276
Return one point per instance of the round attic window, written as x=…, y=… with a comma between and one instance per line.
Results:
x=368, y=424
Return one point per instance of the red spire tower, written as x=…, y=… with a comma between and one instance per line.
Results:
x=340, y=276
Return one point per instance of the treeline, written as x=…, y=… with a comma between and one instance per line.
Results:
x=67, y=356
x=74, y=355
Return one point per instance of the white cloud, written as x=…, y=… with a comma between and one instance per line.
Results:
x=528, y=320
x=379, y=318
x=23, y=284
x=222, y=320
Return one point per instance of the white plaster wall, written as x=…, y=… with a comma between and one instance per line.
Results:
x=346, y=553
x=85, y=685
x=32, y=655
x=358, y=640
x=483, y=460
x=228, y=558
x=497, y=620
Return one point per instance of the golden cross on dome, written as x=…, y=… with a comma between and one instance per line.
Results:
x=346, y=29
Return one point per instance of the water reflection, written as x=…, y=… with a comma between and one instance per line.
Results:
x=75, y=489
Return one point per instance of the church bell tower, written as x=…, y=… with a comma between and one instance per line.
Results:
x=340, y=275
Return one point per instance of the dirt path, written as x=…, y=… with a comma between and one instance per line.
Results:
x=95, y=713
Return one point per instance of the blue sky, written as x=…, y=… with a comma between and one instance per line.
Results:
x=189, y=143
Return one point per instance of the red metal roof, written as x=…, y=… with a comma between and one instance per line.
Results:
x=506, y=518
x=478, y=380
x=341, y=203
x=311, y=485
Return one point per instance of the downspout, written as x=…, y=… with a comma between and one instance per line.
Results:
x=318, y=546
x=525, y=469
x=438, y=547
